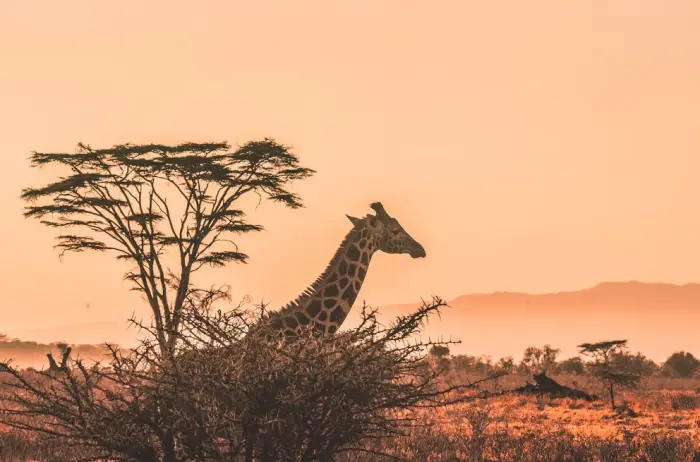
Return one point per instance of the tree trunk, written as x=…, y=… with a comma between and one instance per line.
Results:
x=250, y=442
x=612, y=395
x=169, y=446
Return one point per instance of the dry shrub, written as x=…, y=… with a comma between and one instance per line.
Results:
x=479, y=418
x=542, y=445
x=684, y=402
x=308, y=398
x=668, y=445
x=228, y=396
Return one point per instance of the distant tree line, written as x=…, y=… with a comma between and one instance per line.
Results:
x=537, y=359
x=607, y=363
x=12, y=347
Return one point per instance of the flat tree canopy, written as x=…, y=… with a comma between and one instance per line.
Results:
x=602, y=348
x=115, y=200
x=604, y=367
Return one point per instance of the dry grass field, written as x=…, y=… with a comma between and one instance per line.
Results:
x=662, y=424
x=660, y=421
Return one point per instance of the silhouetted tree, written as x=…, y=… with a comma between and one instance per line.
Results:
x=605, y=369
x=143, y=202
x=637, y=363
x=539, y=359
x=65, y=354
x=439, y=351
x=439, y=356
x=483, y=364
x=506, y=364
x=572, y=365
x=682, y=364
x=464, y=363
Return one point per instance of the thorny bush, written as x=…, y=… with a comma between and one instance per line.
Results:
x=231, y=394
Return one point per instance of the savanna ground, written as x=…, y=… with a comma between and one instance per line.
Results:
x=659, y=421
x=664, y=425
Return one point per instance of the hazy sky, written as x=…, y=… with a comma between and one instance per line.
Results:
x=529, y=146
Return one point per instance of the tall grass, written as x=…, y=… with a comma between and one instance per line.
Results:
x=665, y=427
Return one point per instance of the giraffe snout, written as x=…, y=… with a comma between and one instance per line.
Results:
x=417, y=252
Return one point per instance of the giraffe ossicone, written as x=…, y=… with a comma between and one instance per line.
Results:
x=326, y=303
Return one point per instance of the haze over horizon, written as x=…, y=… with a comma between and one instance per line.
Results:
x=548, y=153
x=609, y=310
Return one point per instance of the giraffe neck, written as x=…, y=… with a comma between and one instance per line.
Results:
x=329, y=299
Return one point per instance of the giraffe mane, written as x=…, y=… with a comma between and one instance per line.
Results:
x=309, y=291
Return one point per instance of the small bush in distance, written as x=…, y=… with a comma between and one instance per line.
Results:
x=606, y=370
x=682, y=402
x=572, y=366
x=682, y=364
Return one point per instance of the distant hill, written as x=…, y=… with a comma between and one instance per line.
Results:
x=607, y=293
x=656, y=318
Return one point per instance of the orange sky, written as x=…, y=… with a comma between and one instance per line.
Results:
x=528, y=147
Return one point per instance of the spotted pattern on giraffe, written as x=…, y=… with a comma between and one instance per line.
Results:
x=326, y=303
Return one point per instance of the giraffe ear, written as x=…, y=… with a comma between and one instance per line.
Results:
x=353, y=220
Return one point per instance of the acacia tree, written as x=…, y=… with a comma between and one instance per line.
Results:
x=440, y=356
x=439, y=351
x=606, y=369
x=145, y=202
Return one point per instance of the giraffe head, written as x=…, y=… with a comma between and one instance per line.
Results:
x=388, y=234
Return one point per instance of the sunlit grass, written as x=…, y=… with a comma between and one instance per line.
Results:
x=664, y=426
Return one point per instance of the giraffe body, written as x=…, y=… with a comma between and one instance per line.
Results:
x=326, y=303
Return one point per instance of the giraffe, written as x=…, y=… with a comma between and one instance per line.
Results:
x=327, y=301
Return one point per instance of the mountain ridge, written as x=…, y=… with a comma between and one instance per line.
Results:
x=647, y=293
x=656, y=318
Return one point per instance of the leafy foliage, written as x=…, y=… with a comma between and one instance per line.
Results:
x=539, y=359
x=635, y=363
x=574, y=365
x=506, y=364
x=145, y=201
x=473, y=364
x=439, y=351
x=682, y=364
